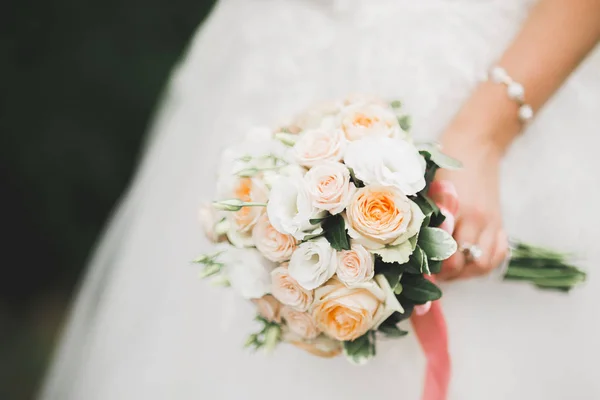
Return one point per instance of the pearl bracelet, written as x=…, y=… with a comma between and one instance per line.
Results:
x=515, y=91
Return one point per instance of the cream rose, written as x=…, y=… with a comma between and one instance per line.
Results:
x=288, y=291
x=268, y=307
x=387, y=162
x=347, y=313
x=378, y=216
x=290, y=207
x=362, y=120
x=213, y=225
x=329, y=186
x=240, y=223
x=313, y=263
x=300, y=323
x=318, y=145
x=355, y=266
x=274, y=245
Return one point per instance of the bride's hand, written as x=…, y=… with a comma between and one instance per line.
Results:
x=479, y=219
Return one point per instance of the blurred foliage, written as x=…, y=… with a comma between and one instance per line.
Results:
x=79, y=81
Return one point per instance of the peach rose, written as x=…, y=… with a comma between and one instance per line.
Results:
x=379, y=216
x=300, y=323
x=329, y=186
x=347, y=313
x=321, y=346
x=361, y=120
x=288, y=291
x=355, y=265
x=241, y=222
x=318, y=145
x=272, y=244
x=268, y=307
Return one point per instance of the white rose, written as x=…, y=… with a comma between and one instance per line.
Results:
x=347, y=313
x=314, y=116
x=300, y=323
x=247, y=270
x=318, y=145
x=274, y=245
x=288, y=291
x=290, y=208
x=355, y=265
x=313, y=263
x=387, y=162
x=362, y=120
x=329, y=186
x=294, y=171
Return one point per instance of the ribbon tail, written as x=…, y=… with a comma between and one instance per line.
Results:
x=432, y=333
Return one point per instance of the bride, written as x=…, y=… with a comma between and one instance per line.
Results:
x=144, y=326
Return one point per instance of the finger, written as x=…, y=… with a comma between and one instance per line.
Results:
x=487, y=244
x=501, y=251
x=452, y=266
x=468, y=229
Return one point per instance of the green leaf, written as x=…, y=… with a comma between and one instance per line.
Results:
x=426, y=204
x=361, y=349
x=441, y=159
x=419, y=290
x=434, y=266
x=437, y=243
x=392, y=331
x=391, y=271
x=317, y=221
x=336, y=233
x=425, y=265
x=357, y=182
x=396, y=104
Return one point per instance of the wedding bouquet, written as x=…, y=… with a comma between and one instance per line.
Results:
x=331, y=226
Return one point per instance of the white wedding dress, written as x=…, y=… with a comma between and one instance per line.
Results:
x=145, y=327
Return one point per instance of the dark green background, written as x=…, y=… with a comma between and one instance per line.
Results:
x=79, y=81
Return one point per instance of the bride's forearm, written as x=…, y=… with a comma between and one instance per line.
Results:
x=555, y=38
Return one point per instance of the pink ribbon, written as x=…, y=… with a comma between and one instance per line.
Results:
x=428, y=320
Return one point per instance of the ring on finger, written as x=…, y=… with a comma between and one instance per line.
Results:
x=471, y=252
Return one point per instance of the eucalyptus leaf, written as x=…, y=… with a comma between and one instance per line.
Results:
x=360, y=350
x=391, y=271
x=419, y=290
x=437, y=243
x=434, y=266
x=396, y=254
x=425, y=266
x=317, y=221
x=392, y=331
x=336, y=234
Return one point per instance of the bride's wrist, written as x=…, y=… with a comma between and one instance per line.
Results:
x=489, y=119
